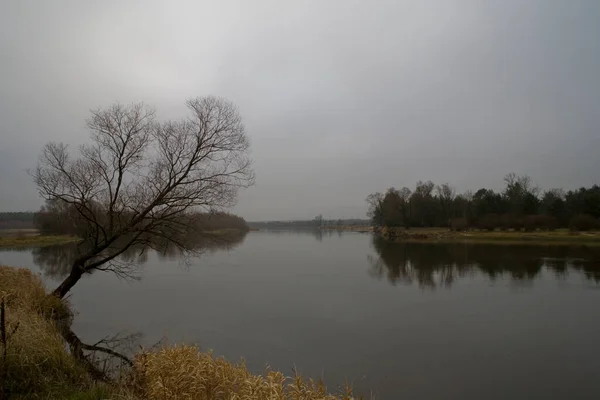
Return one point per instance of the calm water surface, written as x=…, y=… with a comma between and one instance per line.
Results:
x=418, y=321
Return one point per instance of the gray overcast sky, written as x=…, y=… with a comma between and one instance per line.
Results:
x=340, y=98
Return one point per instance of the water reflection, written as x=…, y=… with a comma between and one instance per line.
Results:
x=432, y=265
x=56, y=261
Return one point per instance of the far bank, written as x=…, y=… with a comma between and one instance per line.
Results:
x=508, y=237
x=512, y=237
x=22, y=238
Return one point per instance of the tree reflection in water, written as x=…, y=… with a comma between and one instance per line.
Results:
x=432, y=265
x=56, y=261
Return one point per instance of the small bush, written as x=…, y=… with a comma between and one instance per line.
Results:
x=516, y=223
x=459, y=224
x=489, y=222
x=583, y=222
x=530, y=223
x=547, y=222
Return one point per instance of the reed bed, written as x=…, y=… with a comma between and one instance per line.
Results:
x=183, y=372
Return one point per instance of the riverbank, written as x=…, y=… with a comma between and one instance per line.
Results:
x=38, y=363
x=558, y=237
x=22, y=240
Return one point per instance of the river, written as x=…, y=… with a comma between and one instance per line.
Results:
x=413, y=321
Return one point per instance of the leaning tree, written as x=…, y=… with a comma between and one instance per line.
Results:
x=138, y=180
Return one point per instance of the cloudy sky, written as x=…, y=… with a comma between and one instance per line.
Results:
x=340, y=98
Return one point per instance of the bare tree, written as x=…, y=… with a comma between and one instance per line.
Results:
x=139, y=179
x=318, y=220
x=375, y=212
x=520, y=184
x=446, y=195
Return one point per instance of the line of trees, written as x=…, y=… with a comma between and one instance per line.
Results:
x=520, y=206
x=60, y=218
x=16, y=220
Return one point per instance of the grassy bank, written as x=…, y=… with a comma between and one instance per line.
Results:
x=558, y=237
x=39, y=366
x=20, y=240
x=31, y=238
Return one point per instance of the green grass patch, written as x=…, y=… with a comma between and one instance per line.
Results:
x=12, y=241
x=444, y=235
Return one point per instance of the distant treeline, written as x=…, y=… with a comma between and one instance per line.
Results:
x=16, y=220
x=220, y=221
x=316, y=222
x=520, y=206
x=59, y=219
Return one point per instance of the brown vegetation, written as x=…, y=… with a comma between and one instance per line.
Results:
x=583, y=223
x=37, y=360
x=183, y=372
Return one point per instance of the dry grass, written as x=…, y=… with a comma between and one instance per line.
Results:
x=37, y=362
x=182, y=372
x=24, y=291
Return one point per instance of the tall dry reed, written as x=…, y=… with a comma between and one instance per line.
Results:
x=183, y=372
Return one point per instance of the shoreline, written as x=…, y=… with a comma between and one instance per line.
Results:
x=444, y=235
x=31, y=238
x=20, y=241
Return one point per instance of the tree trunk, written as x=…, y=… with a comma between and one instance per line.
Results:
x=70, y=281
x=77, y=347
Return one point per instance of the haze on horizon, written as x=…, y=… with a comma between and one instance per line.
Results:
x=339, y=98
